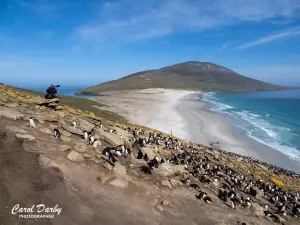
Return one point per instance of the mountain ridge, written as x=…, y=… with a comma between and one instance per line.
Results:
x=190, y=75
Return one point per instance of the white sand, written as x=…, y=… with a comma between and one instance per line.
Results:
x=189, y=119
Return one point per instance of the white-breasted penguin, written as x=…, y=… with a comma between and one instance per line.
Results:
x=31, y=123
x=74, y=123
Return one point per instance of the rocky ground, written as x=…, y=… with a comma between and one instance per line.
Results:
x=36, y=168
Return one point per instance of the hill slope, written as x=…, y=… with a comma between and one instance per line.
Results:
x=189, y=75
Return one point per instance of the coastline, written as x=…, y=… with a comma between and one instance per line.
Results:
x=190, y=118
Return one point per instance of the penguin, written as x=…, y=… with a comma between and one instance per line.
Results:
x=101, y=125
x=56, y=133
x=86, y=135
x=111, y=157
x=248, y=203
x=266, y=207
x=74, y=123
x=128, y=151
x=232, y=204
x=140, y=154
x=96, y=143
x=162, y=161
x=146, y=157
x=31, y=123
x=91, y=139
x=203, y=196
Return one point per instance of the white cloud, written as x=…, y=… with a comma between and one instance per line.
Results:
x=131, y=20
x=270, y=38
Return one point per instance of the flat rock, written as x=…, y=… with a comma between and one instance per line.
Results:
x=119, y=182
x=44, y=130
x=25, y=137
x=72, y=130
x=10, y=113
x=80, y=147
x=15, y=129
x=110, y=138
x=166, y=183
x=75, y=156
x=167, y=169
x=85, y=125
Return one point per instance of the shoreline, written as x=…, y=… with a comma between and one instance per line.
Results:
x=191, y=119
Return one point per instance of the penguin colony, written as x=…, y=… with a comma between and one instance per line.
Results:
x=236, y=190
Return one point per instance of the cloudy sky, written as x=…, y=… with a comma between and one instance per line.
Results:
x=80, y=42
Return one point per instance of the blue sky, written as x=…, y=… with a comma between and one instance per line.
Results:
x=82, y=43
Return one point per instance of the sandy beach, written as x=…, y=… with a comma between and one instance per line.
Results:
x=189, y=118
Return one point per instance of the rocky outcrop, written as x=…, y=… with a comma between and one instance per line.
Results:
x=73, y=130
x=85, y=125
x=10, y=113
x=23, y=137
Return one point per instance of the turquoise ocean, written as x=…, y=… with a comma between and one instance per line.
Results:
x=270, y=117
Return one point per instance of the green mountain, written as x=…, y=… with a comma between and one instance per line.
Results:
x=191, y=75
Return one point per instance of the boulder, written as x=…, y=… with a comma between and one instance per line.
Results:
x=257, y=209
x=72, y=130
x=10, y=113
x=75, y=156
x=23, y=137
x=167, y=169
x=119, y=182
x=85, y=125
x=166, y=183
x=80, y=147
x=44, y=130
x=110, y=138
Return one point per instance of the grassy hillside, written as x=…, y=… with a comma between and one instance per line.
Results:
x=85, y=105
x=189, y=75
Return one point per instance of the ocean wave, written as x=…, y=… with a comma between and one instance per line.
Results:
x=291, y=152
x=257, y=126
